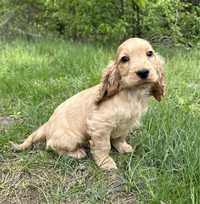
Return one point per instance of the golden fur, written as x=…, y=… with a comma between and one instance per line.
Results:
x=104, y=114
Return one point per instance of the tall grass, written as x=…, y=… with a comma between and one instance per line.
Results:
x=36, y=77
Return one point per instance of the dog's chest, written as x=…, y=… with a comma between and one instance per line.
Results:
x=128, y=115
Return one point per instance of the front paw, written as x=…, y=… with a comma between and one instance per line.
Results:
x=124, y=147
x=107, y=164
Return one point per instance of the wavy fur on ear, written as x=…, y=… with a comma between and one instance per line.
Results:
x=110, y=83
x=158, y=88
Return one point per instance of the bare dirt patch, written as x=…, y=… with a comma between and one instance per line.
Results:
x=6, y=121
x=20, y=183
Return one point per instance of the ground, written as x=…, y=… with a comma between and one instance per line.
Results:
x=35, y=77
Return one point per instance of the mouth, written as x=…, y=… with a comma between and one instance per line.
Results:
x=146, y=82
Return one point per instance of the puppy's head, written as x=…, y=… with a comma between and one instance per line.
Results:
x=136, y=65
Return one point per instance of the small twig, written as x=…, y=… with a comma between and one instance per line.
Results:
x=177, y=16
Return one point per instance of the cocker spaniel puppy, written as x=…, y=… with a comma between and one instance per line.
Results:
x=104, y=114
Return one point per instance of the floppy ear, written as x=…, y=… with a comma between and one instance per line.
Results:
x=110, y=83
x=158, y=87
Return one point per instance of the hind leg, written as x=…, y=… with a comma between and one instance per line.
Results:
x=67, y=145
x=77, y=154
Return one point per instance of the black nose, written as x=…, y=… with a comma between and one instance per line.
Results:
x=143, y=73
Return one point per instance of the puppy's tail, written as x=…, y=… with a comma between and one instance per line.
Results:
x=37, y=136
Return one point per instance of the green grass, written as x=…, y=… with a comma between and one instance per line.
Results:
x=36, y=77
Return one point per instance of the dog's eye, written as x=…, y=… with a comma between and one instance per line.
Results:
x=149, y=53
x=125, y=59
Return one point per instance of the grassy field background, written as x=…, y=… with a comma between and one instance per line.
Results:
x=35, y=77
